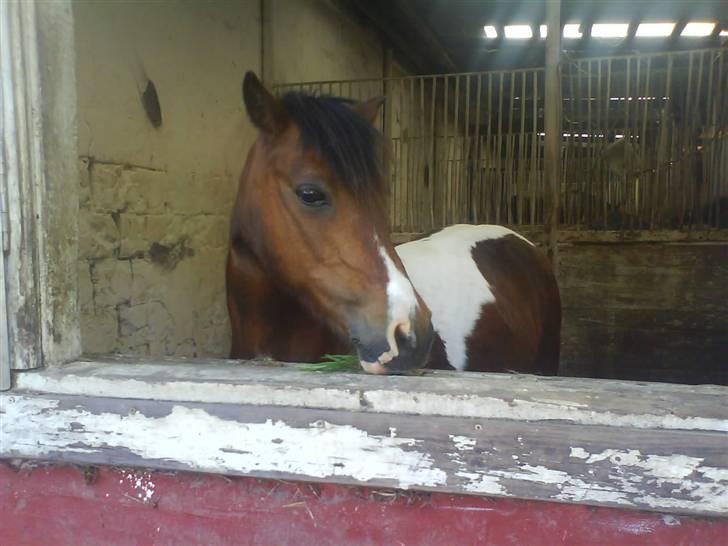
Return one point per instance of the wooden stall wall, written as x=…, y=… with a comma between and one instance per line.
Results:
x=651, y=311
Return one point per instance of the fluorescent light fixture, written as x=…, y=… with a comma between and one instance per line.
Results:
x=571, y=30
x=609, y=30
x=723, y=33
x=655, y=29
x=698, y=29
x=543, y=30
x=518, y=31
x=490, y=31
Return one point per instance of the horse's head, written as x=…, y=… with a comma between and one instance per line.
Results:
x=313, y=200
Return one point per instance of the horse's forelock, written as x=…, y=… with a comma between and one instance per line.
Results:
x=350, y=145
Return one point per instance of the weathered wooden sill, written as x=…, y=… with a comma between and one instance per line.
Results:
x=613, y=443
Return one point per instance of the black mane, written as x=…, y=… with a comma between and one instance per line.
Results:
x=346, y=140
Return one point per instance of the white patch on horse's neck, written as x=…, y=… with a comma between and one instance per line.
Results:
x=442, y=270
x=401, y=303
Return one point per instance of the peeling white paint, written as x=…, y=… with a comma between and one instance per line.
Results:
x=463, y=443
x=671, y=467
x=481, y=482
x=206, y=442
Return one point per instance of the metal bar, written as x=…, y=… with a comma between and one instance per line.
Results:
x=433, y=161
x=489, y=154
x=446, y=153
x=499, y=138
x=634, y=190
x=627, y=141
x=467, y=170
x=521, y=150
x=647, y=188
x=579, y=178
x=457, y=157
x=569, y=172
x=422, y=149
x=477, y=182
x=711, y=115
x=588, y=170
x=698, y=121
x=552, y=129
x=534, y=150
x=410, y=156
x=685, y=168
x=509, y=154
x=607, y=132
x=602, y=136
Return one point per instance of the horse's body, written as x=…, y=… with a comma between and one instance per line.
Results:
x=311, y=271
x=495, y=303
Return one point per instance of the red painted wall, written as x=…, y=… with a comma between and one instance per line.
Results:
x=60, y=505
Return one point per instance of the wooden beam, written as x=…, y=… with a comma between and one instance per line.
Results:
x=608, y=443
x=552, y=126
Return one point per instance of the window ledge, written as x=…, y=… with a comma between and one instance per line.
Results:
x=612, y=443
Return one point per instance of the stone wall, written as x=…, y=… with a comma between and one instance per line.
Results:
x=155, y=201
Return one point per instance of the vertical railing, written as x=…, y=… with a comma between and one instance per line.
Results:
x=645, y=147
x=645, y=143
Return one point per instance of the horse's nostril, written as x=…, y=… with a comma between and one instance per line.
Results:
x=356, y=341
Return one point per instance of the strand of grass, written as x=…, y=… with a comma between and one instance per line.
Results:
x=333, y=363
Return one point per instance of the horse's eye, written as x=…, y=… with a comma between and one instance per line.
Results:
x=311, y=196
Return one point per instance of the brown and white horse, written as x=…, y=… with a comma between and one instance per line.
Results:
x=311, y=269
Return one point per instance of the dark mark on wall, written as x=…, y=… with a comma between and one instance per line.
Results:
x=168, y=256
x=150, y=101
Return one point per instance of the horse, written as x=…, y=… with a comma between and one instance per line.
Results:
x=311, y=269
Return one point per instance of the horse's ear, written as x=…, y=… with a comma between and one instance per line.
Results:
x=264, y=110
x=369, y=109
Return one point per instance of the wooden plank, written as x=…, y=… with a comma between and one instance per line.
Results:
x=477, y=395
x=635, y=465
x=552, y=123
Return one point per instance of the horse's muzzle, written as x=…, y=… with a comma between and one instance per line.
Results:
x=412, y=351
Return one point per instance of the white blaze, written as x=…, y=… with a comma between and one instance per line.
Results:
x=401, y=307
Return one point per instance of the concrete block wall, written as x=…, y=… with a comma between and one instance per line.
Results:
x=151, y=261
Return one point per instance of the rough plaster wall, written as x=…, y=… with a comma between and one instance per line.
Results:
x=155, y=203
x=647, y=311
x=312, y=41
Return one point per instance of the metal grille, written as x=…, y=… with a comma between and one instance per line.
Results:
x=645, y=143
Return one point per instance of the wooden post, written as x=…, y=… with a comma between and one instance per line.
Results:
x=552, y=127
